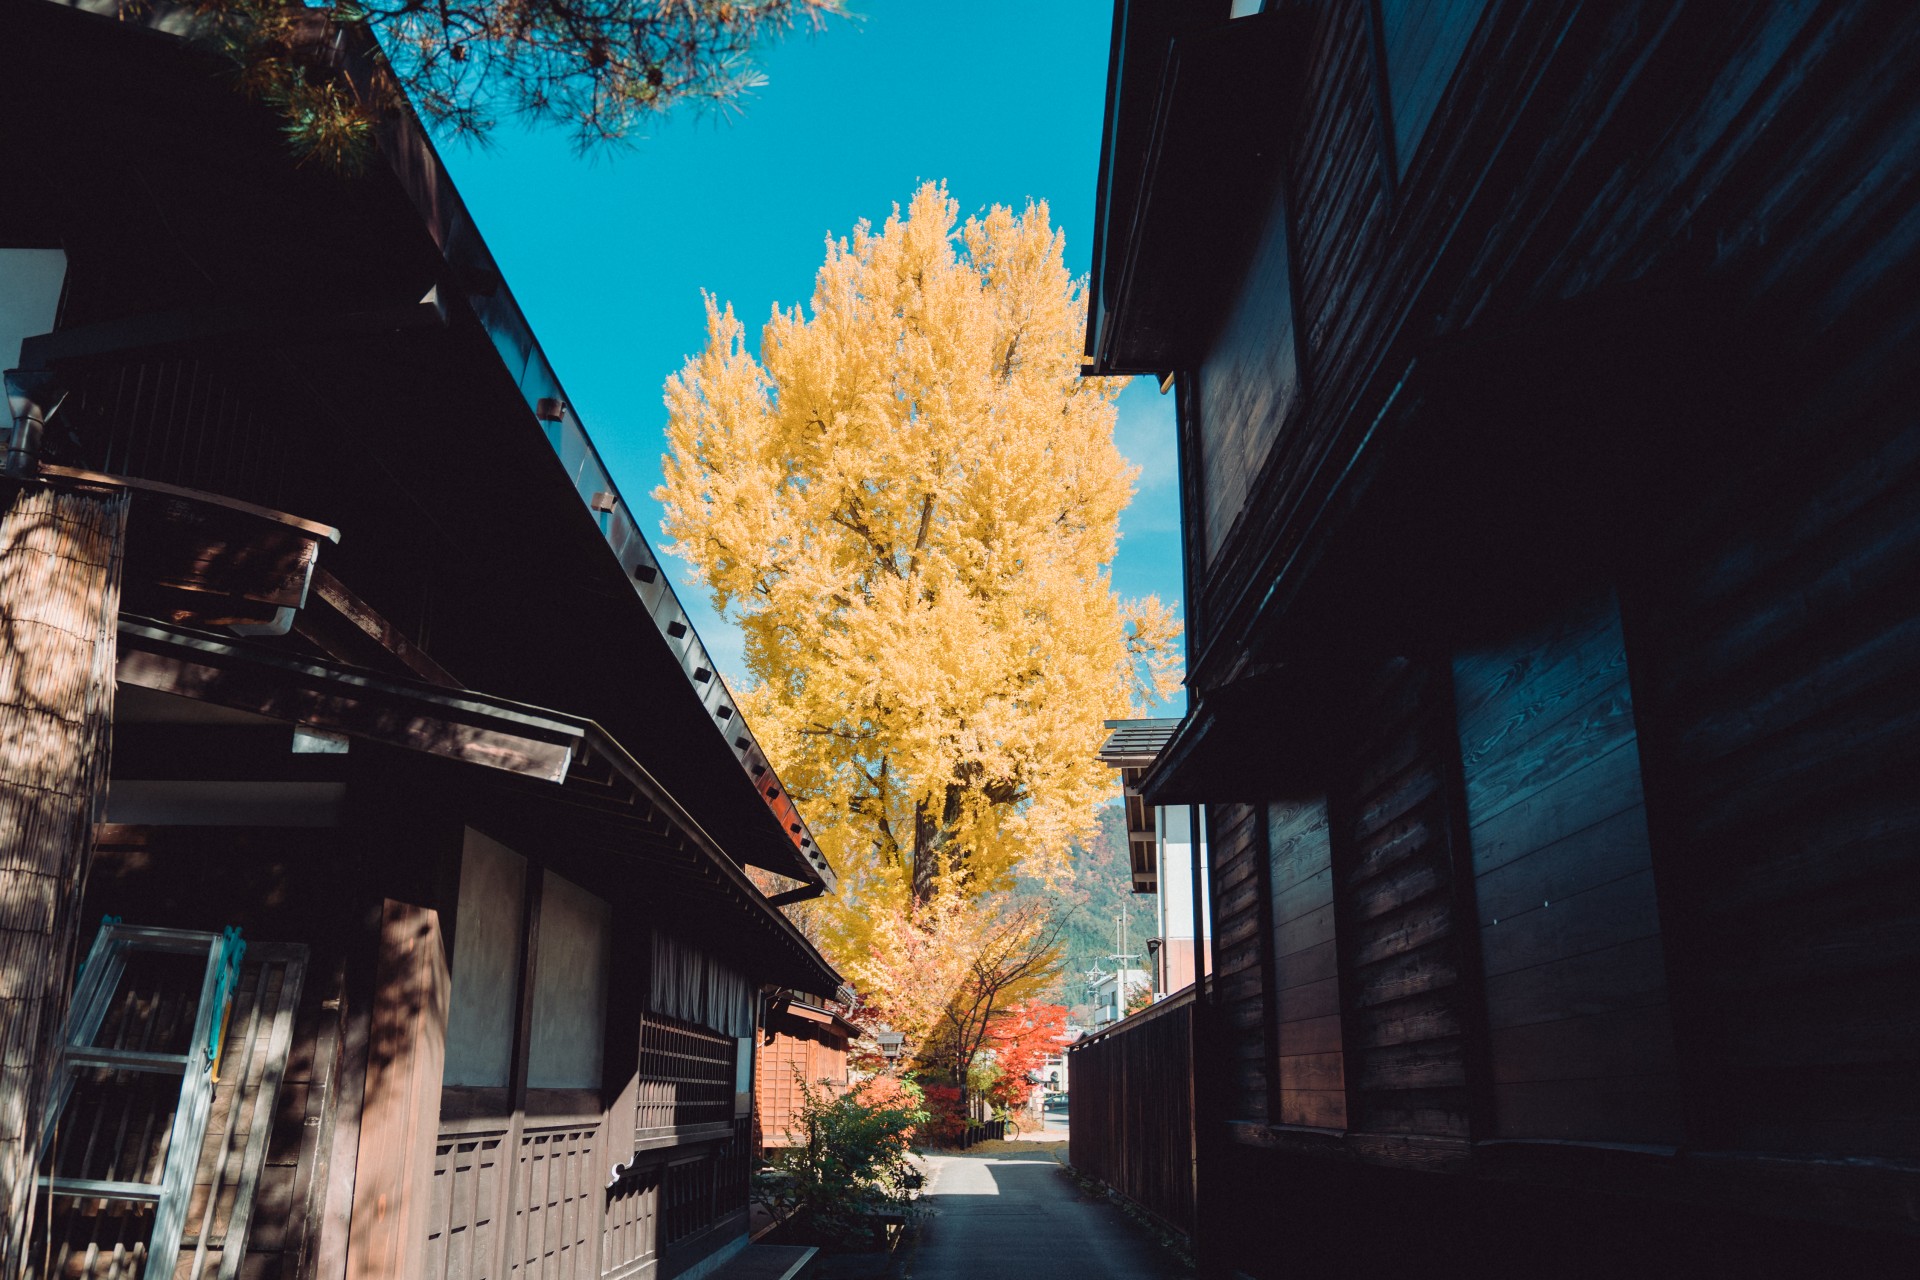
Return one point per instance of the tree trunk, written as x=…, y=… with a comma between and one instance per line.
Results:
x=60, y=556
x=930, y=839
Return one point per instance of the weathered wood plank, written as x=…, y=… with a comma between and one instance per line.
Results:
x=1624, y=1042
x=1303, y=897
x=1310, y=1036
x=1613, y=1109
x=1431, y=968
x=1496, y=781
x=1309, y=1000
x=1414, y=785
x=1314, y=1108
x=1428, y=1112
x=1557, y=871
x=1409, y=884
x=1298, y=847
x=1625, y=976
x=1428, y=920
x=1524, y=685
x=1430, y=1017
x=1313, y=929
x=1424, y=1065
x=1619, y=911
x=393, y=1183
x=1410, y=835
x=1311, y=1071
x=1307, y=966
x=1608, y=786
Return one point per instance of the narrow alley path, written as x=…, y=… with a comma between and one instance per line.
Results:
x=1016, y=1213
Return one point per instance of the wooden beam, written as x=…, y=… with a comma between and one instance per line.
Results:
x=334, y=594
x=400, y=1117
x=465, y=726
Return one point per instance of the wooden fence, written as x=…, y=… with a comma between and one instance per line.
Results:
x=1132, y=1112
x=979, y=1131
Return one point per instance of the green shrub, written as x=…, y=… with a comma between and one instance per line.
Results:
x=854, y=1173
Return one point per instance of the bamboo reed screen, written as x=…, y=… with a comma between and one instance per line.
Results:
x=60, y=557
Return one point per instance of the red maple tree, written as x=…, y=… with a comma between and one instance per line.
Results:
x=1022, y=1039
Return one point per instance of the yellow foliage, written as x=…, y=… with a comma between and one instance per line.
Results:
x=909, y=502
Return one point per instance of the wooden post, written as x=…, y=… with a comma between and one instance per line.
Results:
x=400, y=1117
x=60, y=558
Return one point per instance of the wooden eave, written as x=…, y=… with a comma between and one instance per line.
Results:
x=1143, y=842
x=813, y=1016
x=562, y=772
x=1135, y=743
x=455, y=724
x=1132, y=747
x=1202, y=153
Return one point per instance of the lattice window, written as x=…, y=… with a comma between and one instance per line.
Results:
x=689, y=1195
x=686, y=1076
x=697, y=1193
x=736, y=1165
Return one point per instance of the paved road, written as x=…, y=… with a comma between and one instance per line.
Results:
x=1053, y=1128
x=1017, y=1214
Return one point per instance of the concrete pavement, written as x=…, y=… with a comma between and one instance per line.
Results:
x=1016, y=1213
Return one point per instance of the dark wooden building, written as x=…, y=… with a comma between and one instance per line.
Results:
x=1550, y=460
x=414, y=905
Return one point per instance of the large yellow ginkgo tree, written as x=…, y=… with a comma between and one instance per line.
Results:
x=910, y=502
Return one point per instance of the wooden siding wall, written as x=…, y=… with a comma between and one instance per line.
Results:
x=1132, y=1112
x=518, y=1198
x=464, y=1226
x=1399, y=907
x=559, y=1201
x=1576, y=147
x=1336, y=210
x=1310, y=1069
x=631, y=1226
x=1778, y=655
x=188, y=421
x=1683, y=828
x=1423, y=41
x=1247, y=384
x=819, y=1060
x=1242, y=915
x=703, y=1198
x=1580, y=1032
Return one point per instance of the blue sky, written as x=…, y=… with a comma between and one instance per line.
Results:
x=608, y=254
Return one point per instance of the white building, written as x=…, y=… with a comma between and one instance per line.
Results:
x=1108, y=993
x=1160, y=849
